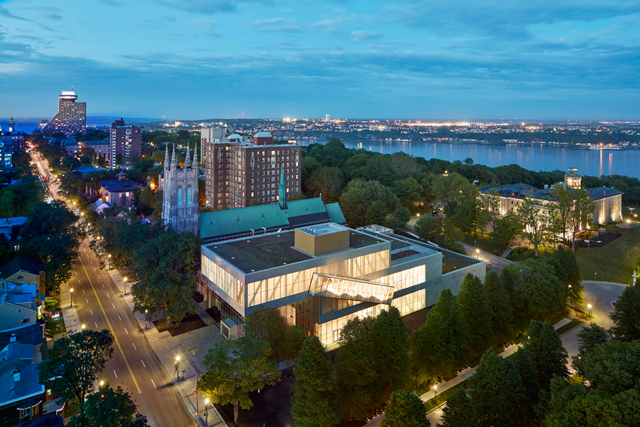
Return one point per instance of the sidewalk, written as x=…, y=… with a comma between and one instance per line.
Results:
x=467, y=373
x=190, y=347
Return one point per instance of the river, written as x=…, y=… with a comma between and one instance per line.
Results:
x=529, y=156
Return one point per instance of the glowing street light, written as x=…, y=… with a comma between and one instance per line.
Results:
x=83, y=326
x=101, y=383
x=177, y=368
x=477, y=253
x=145, y=318
x=206, y=412
x=125, y=285
x=589, y=306
x=435, y=390
x=71, y=296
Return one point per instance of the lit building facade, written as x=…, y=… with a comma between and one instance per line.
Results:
x=240, y=169
x=321, y=276
x=124, y=140
x=71, y=117
x=510, y=197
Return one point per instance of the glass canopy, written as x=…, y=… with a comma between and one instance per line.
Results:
x=324, y=285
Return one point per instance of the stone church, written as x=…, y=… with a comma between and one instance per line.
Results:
x=180, y=209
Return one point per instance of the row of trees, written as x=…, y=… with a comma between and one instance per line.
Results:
x=164, y=264
x=533, y=387
x=72, y=372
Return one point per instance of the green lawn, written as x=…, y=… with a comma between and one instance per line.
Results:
x=55, y=326
x=569, y=326
x=613, y=262
x=543, y=252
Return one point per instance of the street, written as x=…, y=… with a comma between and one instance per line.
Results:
x=134, y=366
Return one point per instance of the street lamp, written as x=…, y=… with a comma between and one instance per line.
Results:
x=477, y=253
x=145, y=319
x=589, y=309
x=206, y=412
x=109, y=261
x=178, y=368
x=435, y=391
x=125, y=285
x=83, y=326
x=101, y=383
x=71, y=295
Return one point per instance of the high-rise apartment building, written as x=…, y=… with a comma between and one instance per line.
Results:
x=123, y=140
x=212, y=135
x=241, y=169
x=71, y=117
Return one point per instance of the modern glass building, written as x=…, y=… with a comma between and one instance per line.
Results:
x=71, y=117
x=323, y=275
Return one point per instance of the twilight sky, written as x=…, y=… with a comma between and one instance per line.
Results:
x=197, y=59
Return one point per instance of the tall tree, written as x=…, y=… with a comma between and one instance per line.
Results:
x=534, y=219
x=506, y=229
x=326, y=181
x=437, y=347
x=476, y=312
x=408, y=190
x=355, y=373
x=165, y=269
x=439, y=231
x=497, y=392
x=399, y=219
x=529, y=378
x=500, y=304
x=548, y=355
x=109, y=408
x=567, y=270
x=236, y=368
x=314, y=402
x=582, y=212
x=626, y=315
x=591, y=336
x=359, y=195
x=562, y=195
x=405, y=410
x=391, y=360
x=459, y=411
x=51, y=236
x=491, y=206
x=453, y=188
x=267, y=324
x=75, y=362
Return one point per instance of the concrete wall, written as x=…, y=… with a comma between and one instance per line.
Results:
x=12, y=316
x=321, y=244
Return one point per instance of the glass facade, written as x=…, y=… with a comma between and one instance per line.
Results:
x=350, y=289
x=223, y=280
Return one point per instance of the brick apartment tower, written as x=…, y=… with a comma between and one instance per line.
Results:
x=124, y=140
x=239, y=170
x=180, y=209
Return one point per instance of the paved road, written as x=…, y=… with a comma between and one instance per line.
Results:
x=600, y=295
x=134, y=365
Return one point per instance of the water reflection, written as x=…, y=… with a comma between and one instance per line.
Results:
x=588, y=162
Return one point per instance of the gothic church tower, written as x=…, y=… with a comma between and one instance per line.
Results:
x=180, y=193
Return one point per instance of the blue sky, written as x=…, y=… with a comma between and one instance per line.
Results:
x=197, y=59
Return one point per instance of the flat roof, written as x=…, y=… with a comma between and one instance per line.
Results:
x=266, y=251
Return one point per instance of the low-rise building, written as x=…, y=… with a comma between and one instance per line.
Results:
x=11, y=228
x=119, y=191
x=510, y=197
x=24, y=270
x=321, y=276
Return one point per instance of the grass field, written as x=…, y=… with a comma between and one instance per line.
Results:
x=613, y=262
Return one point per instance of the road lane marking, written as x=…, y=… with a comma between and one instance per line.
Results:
x=108, y=296
x=94, y=269
x=125, y=329
x=103, y=285
x=83, y=291
x=86, y=300
x=154, y=384
x=142, y=361
x=96, y=324
x=113, y=305
x=119, y=318
x=109, y=323
x=134, y=346
x=114, y=373
x=91, y=311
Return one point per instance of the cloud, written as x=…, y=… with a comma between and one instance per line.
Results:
x=277, y=25
x=52, y=15
x=5, y=12
x=206, y=26
x=203, y=6
x=363, y=36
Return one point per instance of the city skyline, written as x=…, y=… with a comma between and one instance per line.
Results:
x=350, y=59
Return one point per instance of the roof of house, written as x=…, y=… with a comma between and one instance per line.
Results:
x=119, y=185
x=233, y=223
x=15, y=221
x=602, y=192
x=20, y=264
x=86, y=169
x=28, y=334
x=519, y=191
x=263, y=135
x=27, y=384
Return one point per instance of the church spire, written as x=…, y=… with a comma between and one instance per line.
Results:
x=174, y=159
x=196, y=166
x=166, y=156
x=187, y=160
x=282, y=191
